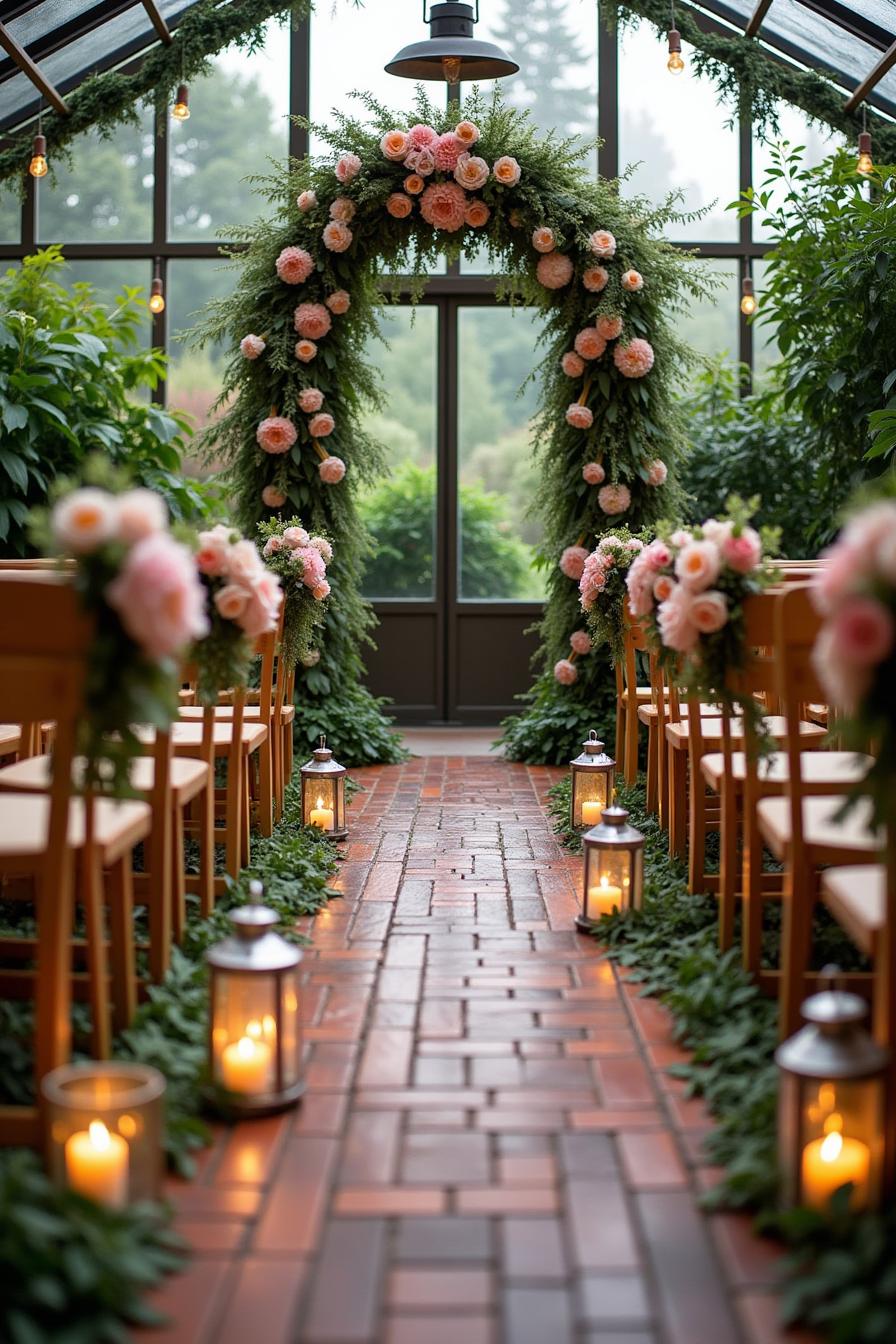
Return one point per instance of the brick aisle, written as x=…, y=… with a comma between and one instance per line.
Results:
x=488, y=1151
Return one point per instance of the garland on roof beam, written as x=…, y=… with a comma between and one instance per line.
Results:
x=104, y=102
x=750, y=80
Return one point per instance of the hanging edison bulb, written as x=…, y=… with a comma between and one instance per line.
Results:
x=451, y=67
x=38, y=165
x=156, y=296
x=675, y=63
x=747, y=297
x=181, y=108
x=864, y=163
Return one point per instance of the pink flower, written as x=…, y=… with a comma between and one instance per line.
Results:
x=844, y=681
x=572, y=562
x=263, y=607
x=414, y=184
x=294, y=537
x=272, y=546
x=657, y=555
x=507, y=171
x=343, y=209
x=592, y=582
x=294, y=265
x=477, y=214
x=871, y=525
x=139, y=513
x=276, y=434
x=639, y=583
x=231, y=600
x=662, y=587
x=319, y=426
x=272, y=498
x=595, y=278
x=467, y=133
x=312, y=320
x=580, y=642
x=338, y=302
x=572, y=364
x=863, y=632
x=603, y=244
x=323, y=546
x=714, y=530
x=305, y=351
x=589, y=344
x=565, y=672
x=251, y=346
x=633, y=281
x=554, y=270
x=347, y=167
x=846, y=565
x=743, y=553
x=422, y=137
x=614, y=498
x=697, y=565
x=331, y=470
x=395, y=144
x=214, y=550
x=609, y=327
x=398, y=205
x=306, y=200
x=471, y=172
x=543, y=239
x=310, y=400
x=709, y=611
x=681, y=537
x=337, y=237
x=421, y=161
x=580, y=417
x=674, y=617
x=313, y=567
x=443, y=205
x=657, y=471
x=635, y=359
x=159, y=597
x=243, y=564
x=321, y=590
x=593, y=473
x=446, y=152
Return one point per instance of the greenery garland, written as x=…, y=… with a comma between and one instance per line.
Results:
x=752, y=81
x=104, y=102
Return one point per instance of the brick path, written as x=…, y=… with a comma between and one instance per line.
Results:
x=489, y=1151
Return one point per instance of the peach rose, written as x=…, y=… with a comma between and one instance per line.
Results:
x=319, y=426
x=243, y=561
x=572, y=562
x=337, y=237
x=312, y=320
x=84, y=520
x=614, y=498
x=709, y=611
x=609, y=327
x=477, y=214
x=603, y=244
x=565, y=672
x=310, y=400
x=674, y=617
x=697, y=565
x=251, y=346
x=444, y=206
x=338, y=302
x=543, y=239
x=635, y=359
x=306, y=201
x=657, y=471
x=421, y=161
x=347, y=167
x=580, y=642
x=343, y=209
x=394, y=145
x=507, y=171
x=471, y=172
x=321, y=590
x=662, y=587
x=272, y=498
x=632, y=281
x=572, y=364
x=743, y=553
x=276, y=434
x=589, y=344
x=398, y=205
x=331, y=470
x=657, y=555
x=595, y=278
x=295, y=537
x=863, y=632
x=294, y=265
x=554, y=270
x=580, y=417
x=414, y=184
x=272, y=546
x=305, y=351
x=139, y=513
x=159, y=597
x=593, y=473
x=214, y=546
x=467, y=133
x=230, y=601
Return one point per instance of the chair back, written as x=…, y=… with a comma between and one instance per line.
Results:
x=797, y=623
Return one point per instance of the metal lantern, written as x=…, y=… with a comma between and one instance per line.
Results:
x=104, y=1126
x=613, y=868
x=255, y=1031
x=831, y=1103
x=593, y=774
x=323, y=792
x=451, y=52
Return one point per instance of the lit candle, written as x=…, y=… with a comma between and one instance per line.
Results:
x=602, y=899
x=591, y=812
x=322, y=816
x=245, y=1064
x=829, y=1163
x=96, y=1165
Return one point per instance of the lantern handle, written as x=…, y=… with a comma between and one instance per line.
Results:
x=322, y=742
x=831, y=977
x=256, y=891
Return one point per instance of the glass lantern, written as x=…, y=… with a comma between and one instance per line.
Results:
x=592, y=774
x=255, y=1035
x=831, y=1103
x=104, y=1124
x=323, y=792
x=613, y=868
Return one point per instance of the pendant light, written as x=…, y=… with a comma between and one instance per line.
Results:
x=675, y=63
x=451, y=53
x=38, y=165
x=157, y=292
x=181, y=109
x=864, y=163
x=747, y=295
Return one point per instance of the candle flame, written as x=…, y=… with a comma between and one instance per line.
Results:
x=604, y=882
x=99, y=1135
x=254, y=1029
x=831, y=1147
x=320, y=801
x=245, y=1047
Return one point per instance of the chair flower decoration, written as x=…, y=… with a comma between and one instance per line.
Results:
x=299, y=561
x=243, y=599
x=603, y=588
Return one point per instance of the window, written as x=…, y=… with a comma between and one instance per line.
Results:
x=106, y=193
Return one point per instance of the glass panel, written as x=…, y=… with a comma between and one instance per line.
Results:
x=18, y=101
x=496, y=472
x=108, y=278
x=765, y=347
x=818, y=37
x=711, y=326
x=677, y=137
x=42, y=19
x=194, y=376
x=399, y=509
x=106, y=195
x=10, y=215
x=238, y=121
x=796, y=129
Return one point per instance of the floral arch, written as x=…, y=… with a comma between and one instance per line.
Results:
x=390, y=199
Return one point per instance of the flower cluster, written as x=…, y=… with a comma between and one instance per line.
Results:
x=243, y=602
x=300, y=563
x=445, y=201
x=602, y=586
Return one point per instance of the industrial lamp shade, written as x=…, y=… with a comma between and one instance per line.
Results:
x=451, y=53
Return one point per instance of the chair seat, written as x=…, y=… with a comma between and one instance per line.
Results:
x=678, y=734
x=186, y=737
x=10, y=738
x=857, y=898
x=641, y=693
x=846, y=841
x=24, y=818
x=192, y=713
x=648, y=713
x=830, y=770
x=188, y=777
x=817, y=713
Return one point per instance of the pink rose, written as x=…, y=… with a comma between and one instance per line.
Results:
x=443, y=205
x=467, y=133
x=395, y=144
x=159, y=597
x=446, y=151
x=572, y=364
x=657, y=471
x=635, y=359
x=321, y=590
x=609, y=327
x=845, y=682
x=306, y=200
x=413, y=184
x=294, y=265
x=681, y=537
x=343, y=209
x=554, y=270
x=543, y=239
x=294, y=537
x=657, y=555
x=593, y=473
x=337, y=237
x=863, y=632
x=603, y=244
x=263, y=608
x=313, y=567
x=310, y=400
x=697, y=565
x=244, y=564
x=477, y=214
x=276, y=434
x=595, y=278
x=743, y=553
x=589, y=344
x=662, y=587
x=305, y=351
x=251, y=346
x=272, y=498
x=471, y=172
x=272, y=546
x=639, y=583
x=319, y=426
x=214, y=547
x=422, y=137
x=572, y=561
x=139, y=513
x=347, y=167
x=421, y=161
x=338, y=302
x=632, y=281
x=580, y=417
x=312, y=320
x=846, y=565
x=507, y=171
x=331, y=470
x=565, y=672
x=674, y=617
x=398, y=205
x=714, y=530
x=324, y=548
x=580, y=642
x=230, y=601
x=709, y=611
x=614, y=498
x=871, y=525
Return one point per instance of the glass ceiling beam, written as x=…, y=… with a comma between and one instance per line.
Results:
x=21, y=58
x=759, y=13
x=874, y=76
x=158, y=22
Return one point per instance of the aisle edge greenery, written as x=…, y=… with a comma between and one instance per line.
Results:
x=839, y=1272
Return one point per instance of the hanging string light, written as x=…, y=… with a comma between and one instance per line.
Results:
x=747, y=295
x=864, y=163
x=675, y=63
x=181, y=109
x=157, y=293
x=38, y=165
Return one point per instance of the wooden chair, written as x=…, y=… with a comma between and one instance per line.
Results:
x=59, y=843
x=629, y=698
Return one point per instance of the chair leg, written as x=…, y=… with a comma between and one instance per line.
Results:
x=631, y=745
x=266, y=787
x=160, y=894
x=178, y=876
x=751, y=885
x=53, y=1016
x=233, y=814
x=728, y=862
x=205, y=816
x=796, y=945
x=620, y=714
x=678, y=764
x=696, y=832
x=245, y=819
x=652, y=768
x=92, y=898
x=120, y=887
